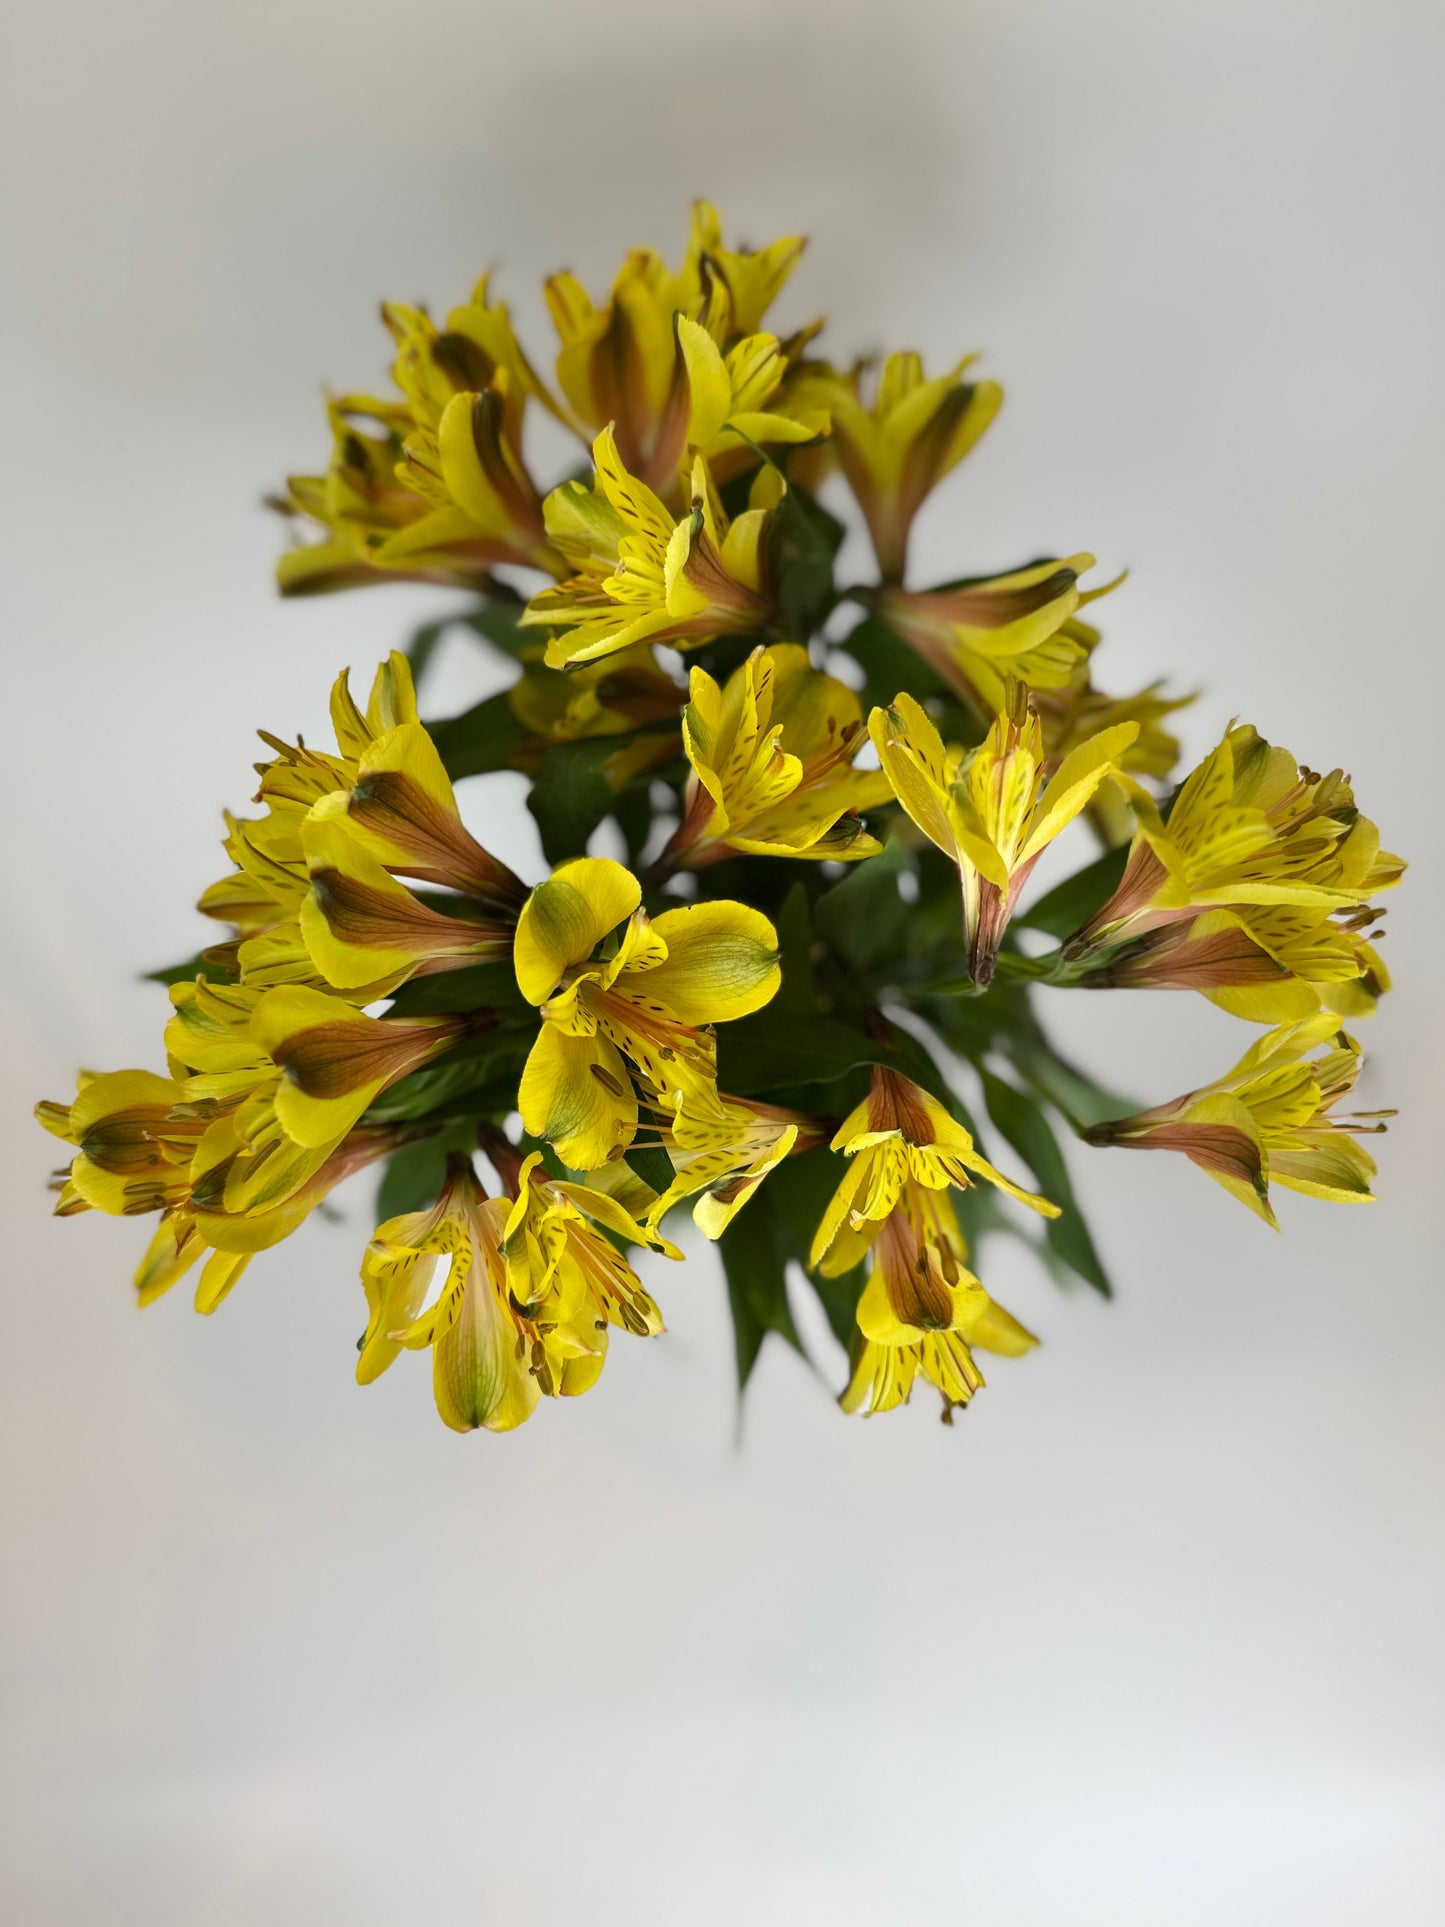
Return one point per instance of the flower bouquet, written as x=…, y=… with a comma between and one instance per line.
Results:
x=789, y=998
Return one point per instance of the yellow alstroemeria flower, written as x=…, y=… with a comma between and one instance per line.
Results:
x=281, y=1077
x=641, y=575
x=897, y=1136
x=235, y=1237
x=314, y=899
x=1260, y=877
x=771, y=755
x=1270, y=1120
x=556, y=1256
x=738, y=402
x=1266, y=963
x=360, y=926
x=991, y=809
x=923, y=1312
x=896, y=449
x=144, y=1145
x=725, y=1152
x=134, y=1143
x=482, y=1345
x=975, y=635
x=442, y=493
x=400, y=807
x=622, y=364
x=748, y=279
x=647, y=999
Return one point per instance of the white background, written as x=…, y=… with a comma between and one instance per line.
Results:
x=1154, y=1635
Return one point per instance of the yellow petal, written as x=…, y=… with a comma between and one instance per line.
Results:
x=576, y=1093
x=722, y=962
x=916, y=764
x=1074, y=783
x=477, y=1378
x=710, y=391
x=564, y=919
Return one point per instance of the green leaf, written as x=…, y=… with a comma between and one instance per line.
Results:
x=495, y=1059
x=186, y=973
x=480, y=740
x=422, y=647
x=755, y=1250
x=863, y=918
x=781, y=1050
x=795, y=942
x=890, y=665
x=652, y=1165
x=571, y=794
x=1020, y=1121
x=802, y=541
x=487, y=986
x=775, y=1049
x=1071, y=1091
x=800, y=1189
x=1004, y=1022
x=413, y=1175
x=1071, y=903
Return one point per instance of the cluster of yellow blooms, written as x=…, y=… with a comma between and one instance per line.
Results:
x=729, y=1018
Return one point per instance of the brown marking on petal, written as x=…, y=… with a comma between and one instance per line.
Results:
x=374, y=920
x=328, y=1060
x=730, y=603
x=915, y=1287
x=1173, y=959
x=393, y=805
x=894, y=1104
x=1213, y=1147
x=980, y=606
x=464, y=362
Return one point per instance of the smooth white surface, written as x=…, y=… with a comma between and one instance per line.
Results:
x=1154, y=1635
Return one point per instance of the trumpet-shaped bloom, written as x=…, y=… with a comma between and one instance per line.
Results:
x=772, y=754
x=556, y=1254
x=643, y=576
x=134, y=1143
x=897, y=1136
x=724, y=1153
x=360, y=926
x=896, y=449
x=1270, y=1120
x=314, y=898
x=743, y=283
x=400, y=807
x=738, y=402
x=1257, y=847
x=976, y=635
x=991, y=809
x=625, y=363
x=144, y=1144
x=923, y=1312
x=644, y=997
x=530, y=1289
x=441, y=492
x=481, y=1343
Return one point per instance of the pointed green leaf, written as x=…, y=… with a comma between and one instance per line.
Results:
x=1023, y=1124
